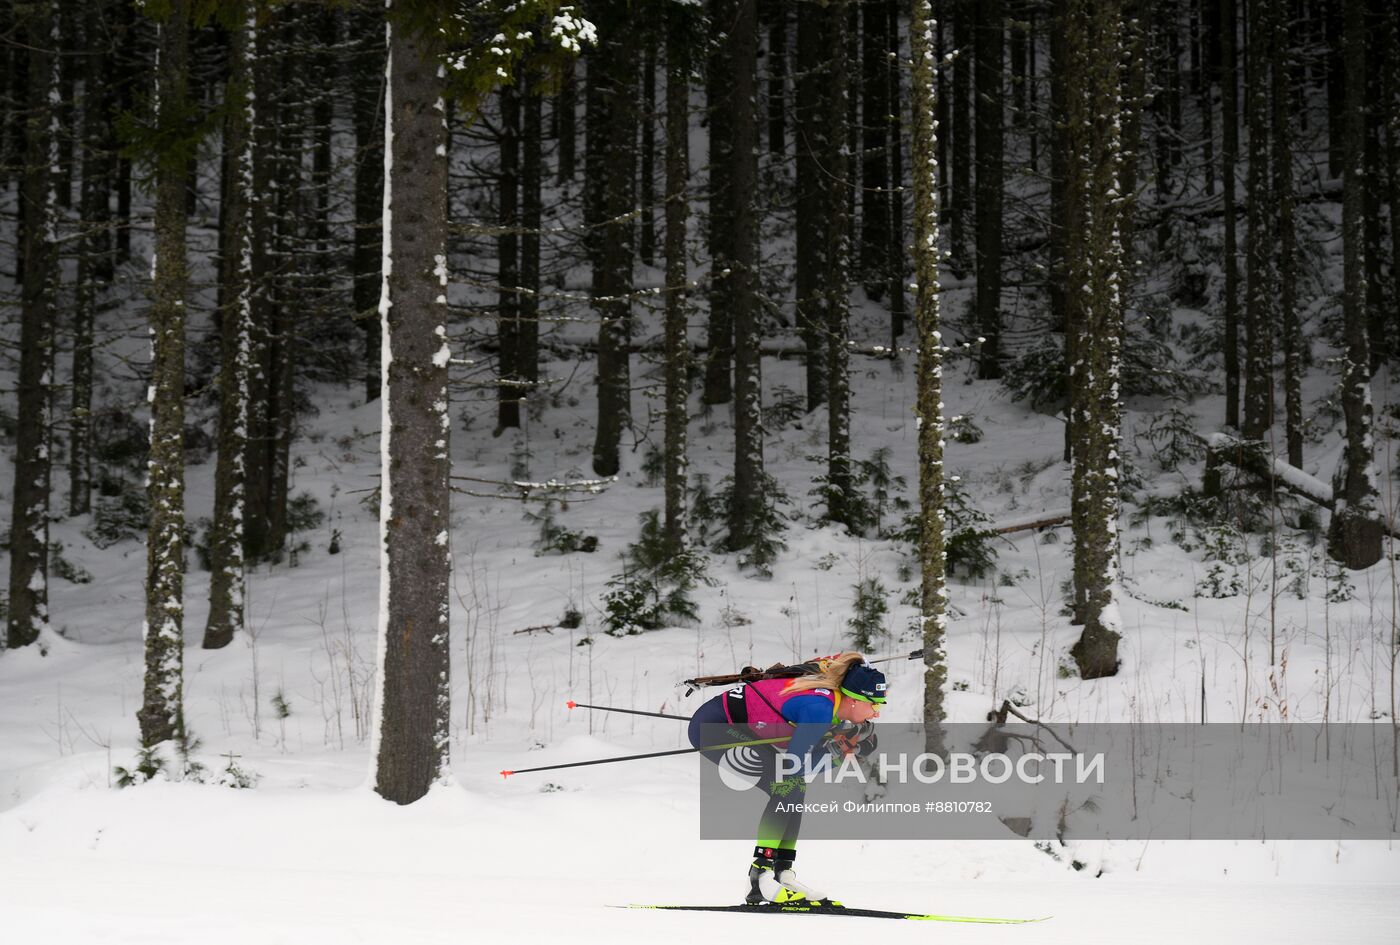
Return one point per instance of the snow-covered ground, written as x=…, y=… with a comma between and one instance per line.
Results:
x=312, y=855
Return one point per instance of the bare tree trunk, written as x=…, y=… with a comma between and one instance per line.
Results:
x=615, y=63
x=838, y=252
x=29, y=529
x=646, y=244
x=990, y=139
x=812, y=145
x=162, y=712
x=1229, y=155
x=508, y=389
x=875, y=181
x=1093, y=46
x=1260, y=279
x=743, y=175
x=896, y=265
x=527, y=350
x=777, y=12
x=960, y=198
x=678, y=24
x=933, y=593
x=719, y=92
x=566, y=124
x=369, y=187
x=1286, y=265
x=226, y=584
x=1354, y=538
x=411, y=737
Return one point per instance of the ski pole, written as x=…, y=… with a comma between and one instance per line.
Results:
x=607, y=708
x=655, y=754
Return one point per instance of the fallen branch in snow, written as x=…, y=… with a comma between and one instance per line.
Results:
x=521, y=489
x=998, y=718
x=546, y=627
x=1255, y=459
x=1039, y=520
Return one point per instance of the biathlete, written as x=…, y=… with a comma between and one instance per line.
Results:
x=829, y=708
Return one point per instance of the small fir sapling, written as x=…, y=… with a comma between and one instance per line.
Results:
x=871, y=608
x=655, y=585
x=763, y=527
x=969, y=542
x=553, y=537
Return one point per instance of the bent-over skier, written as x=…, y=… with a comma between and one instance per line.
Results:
x=838, y=698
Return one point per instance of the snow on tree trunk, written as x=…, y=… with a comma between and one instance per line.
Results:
x=990, y=169
x=836, y=165
x=719, y=93
x=812, y=144
x=744, y=289
x=1261, y=284
x=162, y=714
x=226, y=584
x=1093, y=33
x=411, y=732
x=1286, y=265
x=677, y=161
x=1354, y=538
x=933, y=558
x=875, y=154
x=29, y=529
x=964, y=15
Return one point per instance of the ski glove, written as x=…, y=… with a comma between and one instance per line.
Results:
x=848, y=739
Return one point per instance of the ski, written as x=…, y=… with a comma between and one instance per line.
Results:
x=827, y=907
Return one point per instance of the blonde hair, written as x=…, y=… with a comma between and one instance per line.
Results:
x=832, y=671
